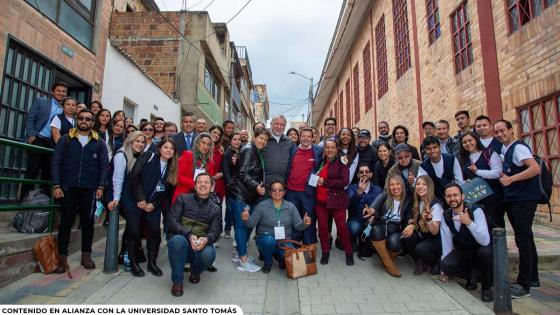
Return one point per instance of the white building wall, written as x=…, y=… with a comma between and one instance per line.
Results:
x=123, y=80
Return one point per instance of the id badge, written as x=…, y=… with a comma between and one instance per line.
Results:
x=160, y=187
x=198, y=171
x=279, y=233
x=313, y=180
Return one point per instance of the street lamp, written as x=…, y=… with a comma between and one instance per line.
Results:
x=310, y=97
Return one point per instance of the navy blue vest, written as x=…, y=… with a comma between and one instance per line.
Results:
x=496, y=145
x=526, y=190
x=447, y=176
x=462, y=239
x=483, y=163
x=65, y=125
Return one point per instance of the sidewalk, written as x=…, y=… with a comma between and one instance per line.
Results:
x=337, y=289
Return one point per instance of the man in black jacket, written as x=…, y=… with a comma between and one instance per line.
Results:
x=368, y=155
x=79, y=170
x=195, y=223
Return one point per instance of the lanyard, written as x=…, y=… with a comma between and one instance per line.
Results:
x=321, y=167
x=163, y=172
x=202, y=162
x=261, y=158
x=278, y=212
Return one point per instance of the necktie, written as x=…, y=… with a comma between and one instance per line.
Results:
x=188, y=142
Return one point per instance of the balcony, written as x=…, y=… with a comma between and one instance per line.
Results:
x=244, y=57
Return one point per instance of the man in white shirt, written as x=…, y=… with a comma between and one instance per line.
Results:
x=483, y=128
x=442, y=168
x=465, y=242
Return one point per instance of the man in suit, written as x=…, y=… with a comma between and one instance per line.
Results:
x=38, y=132
x=185, y=138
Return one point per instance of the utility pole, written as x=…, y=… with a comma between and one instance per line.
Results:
x=309, y=97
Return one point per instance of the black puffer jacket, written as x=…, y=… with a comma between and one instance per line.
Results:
x=190, y=213
x=249, y=175
x=380, y=206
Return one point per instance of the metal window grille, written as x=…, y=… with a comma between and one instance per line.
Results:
x=462, y=45
x=434, y=27
x=402, y=43
x=539, y=128
x=368, y=90
x=381, y=58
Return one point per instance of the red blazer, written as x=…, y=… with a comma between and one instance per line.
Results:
x=337, y=179
x=220, y=188
x=185, y=180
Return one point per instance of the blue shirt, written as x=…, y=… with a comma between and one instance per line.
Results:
x=55, y=110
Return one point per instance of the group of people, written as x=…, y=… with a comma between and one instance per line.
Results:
x=383, y=194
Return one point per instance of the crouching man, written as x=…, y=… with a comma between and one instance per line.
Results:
x=195, y=223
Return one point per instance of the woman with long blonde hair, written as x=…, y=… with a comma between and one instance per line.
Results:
x=391, y=222
x=424, y=245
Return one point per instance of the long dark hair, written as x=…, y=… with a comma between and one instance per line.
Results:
x=352, y=149
x=173, y=163
x=464, y=154
x=405, y=134
x=219, y=143
x=296, y=131
x=97, y=123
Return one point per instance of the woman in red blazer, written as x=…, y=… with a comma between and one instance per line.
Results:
x=333, y=200
x=202, y=150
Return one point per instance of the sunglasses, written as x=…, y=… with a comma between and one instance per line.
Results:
x=148, y=129
x=85, y=119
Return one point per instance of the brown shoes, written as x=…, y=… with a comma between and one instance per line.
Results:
x=177, y=289
x=387, y=258
x=62, y=263
x=86, y=261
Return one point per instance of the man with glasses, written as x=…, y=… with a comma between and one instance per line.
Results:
x=406, y=166
x=185, y=138
x=305, y=159
x=330, y=130
x=367, y=154
x=384, y=135
x=361, y=194
x=79, y=171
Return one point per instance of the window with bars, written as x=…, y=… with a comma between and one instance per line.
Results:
x=539, y=129
x=434, y=27
x=521, y=12
x=348, y=105
x=381, y=58
x=356, y=83
x=341, y=107
x=402, y=43
x=462, y=45
x=76, y=17
x=368, y=91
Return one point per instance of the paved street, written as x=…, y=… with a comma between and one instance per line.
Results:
x=362, y=289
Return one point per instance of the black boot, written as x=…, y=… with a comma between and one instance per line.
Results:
x=420, y=267
x=325, y=258
x=120, y=260
x=349, y=259
x=141, y=256
x=153, y=250
x=132, y=256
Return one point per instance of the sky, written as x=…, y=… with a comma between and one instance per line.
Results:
x=281, y=36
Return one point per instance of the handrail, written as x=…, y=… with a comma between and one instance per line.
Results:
x=17, y=207
x=25, y=146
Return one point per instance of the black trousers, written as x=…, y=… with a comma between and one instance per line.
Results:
x=521, y=215
x=495, y=210
x=461, y=262
x=76, y=201
x=38, y=163
x=140, y=222
x=390, y=232
x=427, y=249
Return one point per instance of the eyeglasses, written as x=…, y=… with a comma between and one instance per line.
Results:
x=85, y=119
x=277, y=190
x=364, y=172
x=406, y=157
x=148, y=129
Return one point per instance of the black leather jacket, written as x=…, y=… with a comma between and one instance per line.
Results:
x=250, y=173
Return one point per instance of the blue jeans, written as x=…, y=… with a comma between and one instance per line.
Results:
x=304, y=203
x=229, y=214
x=269, y=248
x=355, y=227
x=242, y=232
x=181, y=252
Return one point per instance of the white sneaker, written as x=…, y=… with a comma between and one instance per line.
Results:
x=248, y=266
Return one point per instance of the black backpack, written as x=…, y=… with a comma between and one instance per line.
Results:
x=545, y=181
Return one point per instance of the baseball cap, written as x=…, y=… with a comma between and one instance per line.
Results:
x=364, y=133
x=402, y=147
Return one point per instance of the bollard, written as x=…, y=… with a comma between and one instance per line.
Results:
x=502, y=295
x=112, y=243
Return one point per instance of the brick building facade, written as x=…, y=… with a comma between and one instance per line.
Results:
x=408, y=61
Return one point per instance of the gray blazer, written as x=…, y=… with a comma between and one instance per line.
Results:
x=38, y=116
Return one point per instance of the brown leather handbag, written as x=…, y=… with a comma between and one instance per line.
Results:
x=46, y=253
x=300, y=261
